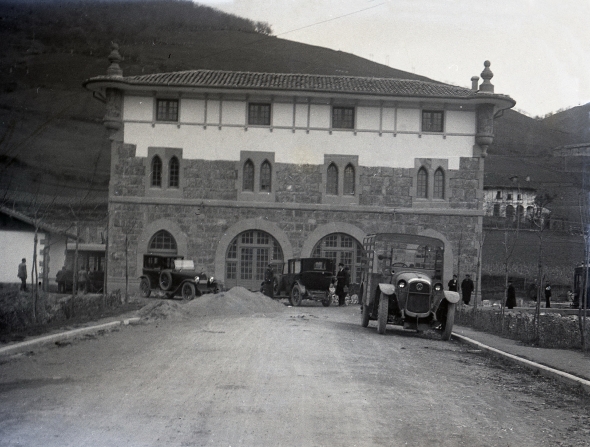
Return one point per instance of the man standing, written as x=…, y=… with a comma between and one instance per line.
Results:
x=60, y=278
x=510, y=296
x=22, y=274
x=269, y=278
x=453, y=284
x=342, y=278
x=467, y=288
x=547, y=295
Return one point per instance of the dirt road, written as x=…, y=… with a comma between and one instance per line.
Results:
x=308, y=376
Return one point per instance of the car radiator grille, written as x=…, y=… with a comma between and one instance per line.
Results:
x=418, y=303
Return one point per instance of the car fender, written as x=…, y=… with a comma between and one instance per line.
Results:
x=148, y=279
x=452, y=297
x=301, y=287
x=387, y=289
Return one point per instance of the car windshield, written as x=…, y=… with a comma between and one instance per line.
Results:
x=405, y=251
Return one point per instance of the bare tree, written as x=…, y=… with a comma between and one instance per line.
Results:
x=583, y=292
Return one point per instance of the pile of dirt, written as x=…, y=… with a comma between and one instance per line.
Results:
x=163, y=310
x=236, y=301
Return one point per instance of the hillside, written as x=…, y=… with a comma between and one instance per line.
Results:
x=52, y=141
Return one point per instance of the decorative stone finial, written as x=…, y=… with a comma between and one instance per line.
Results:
x=114, y=59
x=474, y=85
x=486, y=86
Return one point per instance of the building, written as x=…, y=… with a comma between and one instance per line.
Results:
x=238, y=169
x=510, y=202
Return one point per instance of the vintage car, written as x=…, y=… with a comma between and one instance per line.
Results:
x=308, y=278
x=172, y=275
x=401, y=283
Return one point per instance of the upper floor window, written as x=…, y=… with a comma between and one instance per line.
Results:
x=162, y=240
x=167, y=110
x=422, y=184
x=343, y=117
x=498, y=195
x=258, y=114
x=156, y=172
x=439, y=184
x=509, y=196
x=496, y=210
x=332, y=180
x=265, y=176
x=349, y=180
x=248, y=176
x=174, y=173
x=432, y=121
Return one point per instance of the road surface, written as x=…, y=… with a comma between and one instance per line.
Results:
x=307, y=376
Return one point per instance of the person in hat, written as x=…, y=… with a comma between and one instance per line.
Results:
x=547, y=295
x=342, y=278
x=467, y=288
x=269, y=276
x=510, y=296
x=453, y=284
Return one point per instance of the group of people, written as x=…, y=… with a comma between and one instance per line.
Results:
x=61, y=278
x=467, y=287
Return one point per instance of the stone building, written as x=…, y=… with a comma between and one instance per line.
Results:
x=238, y=169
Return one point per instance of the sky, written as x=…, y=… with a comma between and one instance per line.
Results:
x=539, y=49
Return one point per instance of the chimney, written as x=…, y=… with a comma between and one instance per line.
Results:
x=474, y=80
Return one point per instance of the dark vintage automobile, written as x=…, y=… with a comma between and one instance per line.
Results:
x=172, y=275
x=401, y=283
x=308, y=278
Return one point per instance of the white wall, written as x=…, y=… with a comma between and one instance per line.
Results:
x=15, y=246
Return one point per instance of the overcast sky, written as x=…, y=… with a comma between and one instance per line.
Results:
x=539, y=49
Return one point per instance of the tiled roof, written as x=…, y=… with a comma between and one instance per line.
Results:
x=295, y=82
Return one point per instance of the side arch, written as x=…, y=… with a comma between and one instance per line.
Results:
x=244, y=225
x=150, y=229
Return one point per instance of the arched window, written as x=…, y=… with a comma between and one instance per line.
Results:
x=349, y=180
x=157, y=172
x=248, y=177
x=520, y=213
x=422, y=184
x=342, y=248
x=496, y=210
x=439, y=184
x=162, y=242
x=510, y=213
x=265, y=177
x=174, y=177
x=332, y=180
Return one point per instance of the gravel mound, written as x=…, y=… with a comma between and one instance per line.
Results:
x=236, y=301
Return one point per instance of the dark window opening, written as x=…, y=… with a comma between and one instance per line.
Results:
x=259, y=114
x=343, y=118
x=432, y=121
x=167, y=110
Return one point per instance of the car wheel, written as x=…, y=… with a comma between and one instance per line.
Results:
x=275, y=287
x=144, y=287
x=327, y=300
x=165, y=280
x=383, y=311
x=448, y=323
x=295, y=296
x=188, y=291
x=365, y=311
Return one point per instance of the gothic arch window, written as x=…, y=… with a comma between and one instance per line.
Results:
x=174, y=173
x=162, y=242
x=439, y=184
x=520, y=213
x=265, y=177
x=422, y=184
x=332, y=180
x=156, y=172
x=349, y=180
x=248, y=177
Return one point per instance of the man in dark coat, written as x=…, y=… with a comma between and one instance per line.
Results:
x=22, y=274
x=269, y=278
x=547, y=295
x=342, y=278
x=453, y=284
x=467, y=288
x=510, y=296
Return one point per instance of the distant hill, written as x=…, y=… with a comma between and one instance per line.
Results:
x=573, y=123
x=52, y=141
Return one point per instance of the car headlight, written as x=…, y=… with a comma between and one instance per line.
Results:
x=438, y=287
x=211, y=279
x=402, y=284
x=197, y=278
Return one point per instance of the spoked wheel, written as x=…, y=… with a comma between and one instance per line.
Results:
x=383, y=311
x=447, y=324
x=165, y=280
x=295, y=297
x=144, y=287
x=188, y=291
x=327, y=300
